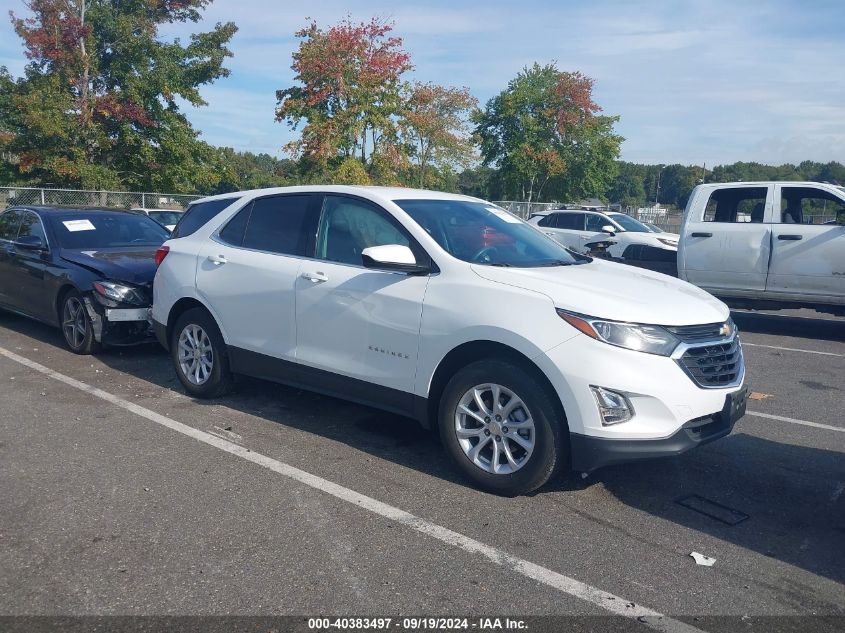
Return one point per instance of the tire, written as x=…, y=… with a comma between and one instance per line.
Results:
x=206, y=374
x=523, y=470
x=76, y=325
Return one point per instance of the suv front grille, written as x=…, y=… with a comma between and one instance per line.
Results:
x=695, y=333
x=716, y=365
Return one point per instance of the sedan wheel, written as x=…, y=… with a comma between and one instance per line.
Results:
x=74, y=322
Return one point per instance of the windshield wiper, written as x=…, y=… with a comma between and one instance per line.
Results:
x=500, y=264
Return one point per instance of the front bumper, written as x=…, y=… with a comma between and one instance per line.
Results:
x=590, y=453
x=672, y=414
x=121, y=325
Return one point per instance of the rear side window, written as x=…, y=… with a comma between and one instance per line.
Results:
x=233, y=232
x=9, y=222
x=572, y=221
x=277, y=224
x=736, y=205
x=198, y=214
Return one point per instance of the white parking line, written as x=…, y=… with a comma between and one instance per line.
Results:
x=782, y=418
x=607, y=601
x=792, y=349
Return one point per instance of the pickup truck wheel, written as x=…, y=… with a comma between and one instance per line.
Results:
x=199, y=355
x=500, y=428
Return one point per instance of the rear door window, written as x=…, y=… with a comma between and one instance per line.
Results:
x=736, y=205
x=571, y=221
x=198, y=215
x=9, y=223
x=280, y=224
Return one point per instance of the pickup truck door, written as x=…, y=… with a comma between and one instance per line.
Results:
x=726, y=240
x=808, y=248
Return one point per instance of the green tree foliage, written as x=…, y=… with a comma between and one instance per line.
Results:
x=434, y=121
x=636, y=185
x=543, y=129
x=97, y=107
x=348, y=95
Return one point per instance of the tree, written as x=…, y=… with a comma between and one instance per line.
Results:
x=543, y=127
x=98, y=106
x=435, y=122
x=348, y=94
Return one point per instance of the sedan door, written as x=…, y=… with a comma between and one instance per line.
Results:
x=356, y=322
x=9, y=223
x=29, y=268
x=808, y=249
x=246, y=273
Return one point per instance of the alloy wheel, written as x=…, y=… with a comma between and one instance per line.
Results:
x=74, y=322
x=494, y=429
x=195, y=354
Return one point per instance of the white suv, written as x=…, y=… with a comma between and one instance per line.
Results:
x=527, y=358
x=632, y=239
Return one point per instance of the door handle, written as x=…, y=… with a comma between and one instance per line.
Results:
x=702, y=235
x=217, y=260
x=315, y=277
x=790, y=237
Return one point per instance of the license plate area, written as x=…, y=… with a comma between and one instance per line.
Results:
x=127, y=314
x=735, y=404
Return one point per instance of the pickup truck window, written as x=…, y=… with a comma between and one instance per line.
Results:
x=808, y=205
x=736, y=204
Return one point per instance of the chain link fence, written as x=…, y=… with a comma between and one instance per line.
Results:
x=78, y=197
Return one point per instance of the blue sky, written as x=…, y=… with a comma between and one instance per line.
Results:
x=697, y=81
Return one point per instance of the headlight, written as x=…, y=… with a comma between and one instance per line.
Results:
x=651, y=339
x=119, y=292
x=667, y=241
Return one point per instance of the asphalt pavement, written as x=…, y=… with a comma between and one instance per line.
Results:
x=138, y=500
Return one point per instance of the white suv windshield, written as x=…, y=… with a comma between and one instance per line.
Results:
x=629, y=224
x=481, y=233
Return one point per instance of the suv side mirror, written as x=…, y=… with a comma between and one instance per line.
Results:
x=393, y=257
x=607, y=228
x=30, y=243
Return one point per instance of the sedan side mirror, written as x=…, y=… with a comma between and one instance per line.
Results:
x=607, y=228
x=30, y=243
x=394, y=257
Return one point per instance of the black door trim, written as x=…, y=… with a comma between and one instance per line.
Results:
x=328, y=383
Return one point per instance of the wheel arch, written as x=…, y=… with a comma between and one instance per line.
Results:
x=181, y=307
x=473, y=351
x=60, y=297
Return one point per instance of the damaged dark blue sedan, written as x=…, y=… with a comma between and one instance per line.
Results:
x=88, y=271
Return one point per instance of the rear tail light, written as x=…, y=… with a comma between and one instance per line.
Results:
x=161, y=253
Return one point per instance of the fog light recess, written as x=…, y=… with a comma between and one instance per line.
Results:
x=614, y=408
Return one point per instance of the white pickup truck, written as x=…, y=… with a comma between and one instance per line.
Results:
x=767, y=244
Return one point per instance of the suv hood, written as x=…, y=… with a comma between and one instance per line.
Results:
x=616, y=292
x=135, y=264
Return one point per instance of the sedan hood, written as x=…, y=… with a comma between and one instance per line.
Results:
x=134, y=264
x=616, y=292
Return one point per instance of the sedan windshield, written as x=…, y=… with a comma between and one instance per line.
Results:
x=95, y=230
x=628, y=223
x=481, y=233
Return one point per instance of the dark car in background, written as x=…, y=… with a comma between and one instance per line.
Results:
x=88, y=271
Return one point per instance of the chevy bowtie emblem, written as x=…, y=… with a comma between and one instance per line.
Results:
x=725, y=330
